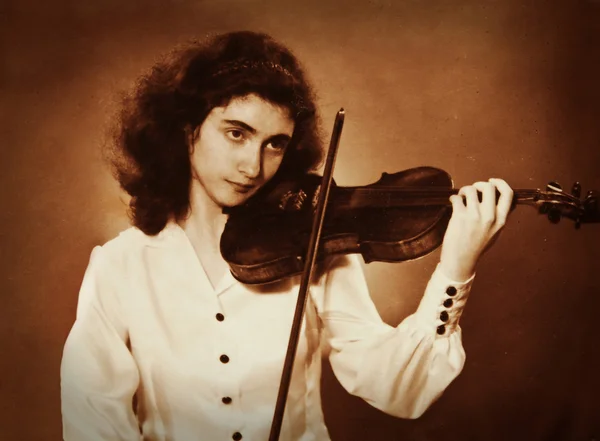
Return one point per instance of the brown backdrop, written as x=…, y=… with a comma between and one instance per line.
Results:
x=479, y=88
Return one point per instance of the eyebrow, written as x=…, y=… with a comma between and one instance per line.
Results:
x=252, y=130
x=240, y=124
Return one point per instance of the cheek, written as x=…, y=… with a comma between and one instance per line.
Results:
x=198, y=162
x=207, y=157
x=271, y=165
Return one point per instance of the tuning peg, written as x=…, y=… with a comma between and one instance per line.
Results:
x=554, y=216
x=553, y=186
x=576, y=190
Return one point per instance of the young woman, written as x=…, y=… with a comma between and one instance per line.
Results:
x=166, y=345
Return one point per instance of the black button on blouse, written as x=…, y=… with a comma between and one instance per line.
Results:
x=451, y=291
x=237, y=436
x=224, y=358
x=220, y=317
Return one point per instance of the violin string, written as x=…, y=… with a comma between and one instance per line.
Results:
x=386, y=196
x=436, y=191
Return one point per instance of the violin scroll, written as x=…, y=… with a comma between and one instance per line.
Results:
x=557, y=203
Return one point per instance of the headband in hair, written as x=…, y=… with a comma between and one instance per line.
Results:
x=238, y=65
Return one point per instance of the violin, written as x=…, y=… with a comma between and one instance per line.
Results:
x=400, y=217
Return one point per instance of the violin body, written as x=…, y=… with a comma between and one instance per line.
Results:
x=267, y=238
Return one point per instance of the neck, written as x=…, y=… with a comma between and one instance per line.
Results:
x=387, y=197
x=206, y=220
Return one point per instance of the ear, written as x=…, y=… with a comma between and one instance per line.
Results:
x=192, y=136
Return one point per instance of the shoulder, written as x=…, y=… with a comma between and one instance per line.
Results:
x=347, y=268
x=344, y=262
x=130, y=245
x=116, y=264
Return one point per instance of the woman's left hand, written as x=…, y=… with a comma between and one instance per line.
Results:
x=474, y=226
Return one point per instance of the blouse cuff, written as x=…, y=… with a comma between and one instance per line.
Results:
x=443, y=303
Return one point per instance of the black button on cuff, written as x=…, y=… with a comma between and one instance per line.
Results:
x=444, y=316
x=220, y=317
x=451, y=291
x=224, y=358
x=226, y=400
x=237, y=436
x=448, y=303
x=441, y=329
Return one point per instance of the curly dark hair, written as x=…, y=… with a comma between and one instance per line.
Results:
x=150, y=152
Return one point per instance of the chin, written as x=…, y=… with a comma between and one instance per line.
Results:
x=234, y=200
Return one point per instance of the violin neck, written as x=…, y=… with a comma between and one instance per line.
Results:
x=353, y=197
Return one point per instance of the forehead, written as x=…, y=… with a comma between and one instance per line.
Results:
x=262, y=115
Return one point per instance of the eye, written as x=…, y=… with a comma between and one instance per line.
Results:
x=277, y=145
x=236, y=135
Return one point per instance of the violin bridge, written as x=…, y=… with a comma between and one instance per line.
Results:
x=292, y=201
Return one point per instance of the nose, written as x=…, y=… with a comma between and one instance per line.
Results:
x=250, y=162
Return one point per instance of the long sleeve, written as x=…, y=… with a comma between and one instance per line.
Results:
x=400, y=370
x=98, y=374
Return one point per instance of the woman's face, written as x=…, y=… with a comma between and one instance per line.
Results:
x=239, y=147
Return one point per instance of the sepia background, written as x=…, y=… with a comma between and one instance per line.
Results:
x=480, y=88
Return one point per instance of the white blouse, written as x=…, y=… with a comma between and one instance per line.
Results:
x=205, y=364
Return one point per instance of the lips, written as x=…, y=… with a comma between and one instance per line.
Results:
x=241, y=188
